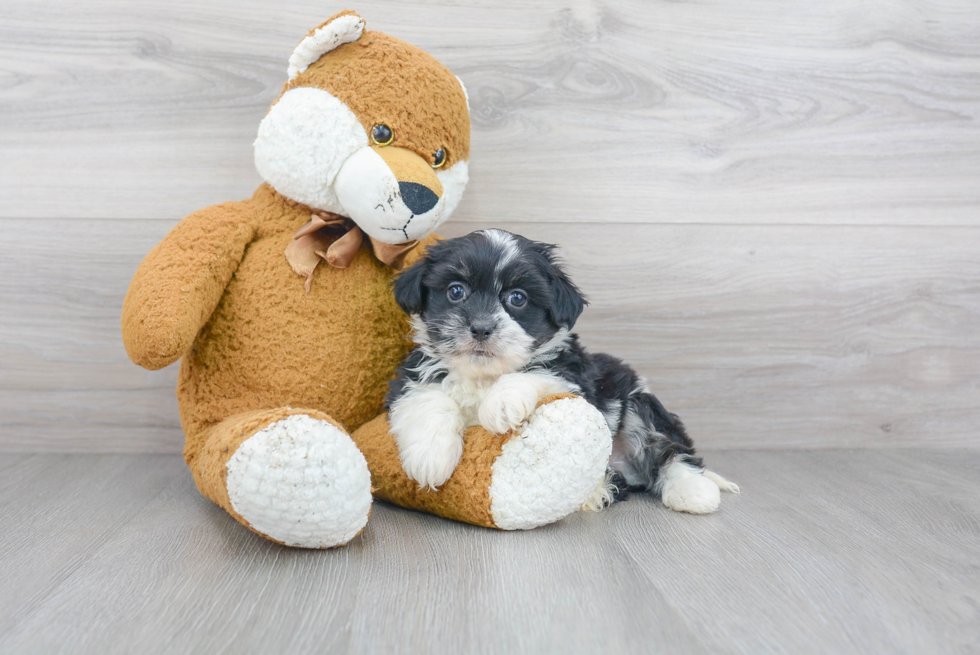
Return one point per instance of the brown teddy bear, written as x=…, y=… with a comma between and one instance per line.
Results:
x=281, y=309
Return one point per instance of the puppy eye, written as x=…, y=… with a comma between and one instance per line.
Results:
x=439, y=158
x=456, y=292
x=382, y=135
x=517, y=298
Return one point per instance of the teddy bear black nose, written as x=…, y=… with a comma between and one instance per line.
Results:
x=417, y=197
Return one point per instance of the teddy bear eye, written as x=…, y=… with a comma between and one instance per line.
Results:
x=439, y=158
x=382, y=135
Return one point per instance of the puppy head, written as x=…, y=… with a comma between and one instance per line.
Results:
x=368, y=127
x=491, y=299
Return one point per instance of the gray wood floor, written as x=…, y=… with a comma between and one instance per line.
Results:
x=838, y=551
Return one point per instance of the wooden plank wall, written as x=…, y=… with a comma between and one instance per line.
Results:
x=774, y=206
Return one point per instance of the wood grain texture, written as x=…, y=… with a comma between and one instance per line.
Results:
x=625, y=111
x=758, y=336
x=56, y=511
x=66, y=383
x=824, y=552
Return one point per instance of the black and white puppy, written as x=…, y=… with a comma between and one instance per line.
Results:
x=492, y=314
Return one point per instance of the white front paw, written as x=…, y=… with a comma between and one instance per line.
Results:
x=510, y=401
x=431, y=458
x=428, y=429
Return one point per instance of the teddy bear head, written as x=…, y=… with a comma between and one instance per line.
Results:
x=368, y=127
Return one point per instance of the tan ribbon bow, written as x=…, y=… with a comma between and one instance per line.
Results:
x=317, y=241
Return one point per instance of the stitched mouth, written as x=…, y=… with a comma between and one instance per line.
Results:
x=403, y=229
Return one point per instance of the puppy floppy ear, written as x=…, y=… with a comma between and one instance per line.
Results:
x=409, y=291
x=568, y=302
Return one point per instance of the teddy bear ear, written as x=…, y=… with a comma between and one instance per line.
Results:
x=345, y=27
x=465, y=92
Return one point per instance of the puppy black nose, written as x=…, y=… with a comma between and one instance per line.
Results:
x=481, y=331
x=417, y=197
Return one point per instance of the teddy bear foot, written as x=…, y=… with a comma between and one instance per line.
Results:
x=301, y=481
x=293, y=476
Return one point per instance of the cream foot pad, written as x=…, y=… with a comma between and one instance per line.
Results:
x=302, y=482
x=551, y=467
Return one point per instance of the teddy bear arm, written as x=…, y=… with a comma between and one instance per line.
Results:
x=534, y=475
x=178, y=285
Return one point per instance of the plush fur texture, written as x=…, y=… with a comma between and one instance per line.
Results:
x=219, y=292
x=304, y=141
x=492, y=313
x=426, y=108
x=275, y=482
x=344, y=27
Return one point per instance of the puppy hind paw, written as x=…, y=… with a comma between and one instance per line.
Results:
x=612, y=489
x=686, y=489
x=694, y=495
x=600, y=499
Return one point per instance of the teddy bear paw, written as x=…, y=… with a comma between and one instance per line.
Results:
x=551, y=467
x=301, y=481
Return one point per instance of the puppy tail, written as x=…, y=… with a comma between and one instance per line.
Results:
x=723, y=484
